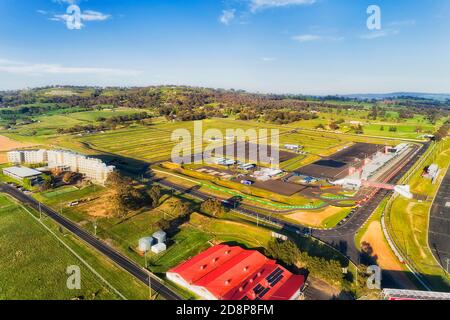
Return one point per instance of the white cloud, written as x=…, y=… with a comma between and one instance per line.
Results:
x=87, y=15
x=227, y=16
x=268, y=59
x=307, y=38
x=36, y=69
x=264, y=4
x=379, y=34
x=66, y=1
x=90, y=15
x=315, y=37
x=402, y=23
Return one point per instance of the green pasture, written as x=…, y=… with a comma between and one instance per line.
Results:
x=33, y=263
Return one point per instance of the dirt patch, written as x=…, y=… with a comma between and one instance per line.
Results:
x=321, y=290
x=7, y=144
x=314, y=218
x=385, y=258
x=100, y=207
x=3, y=158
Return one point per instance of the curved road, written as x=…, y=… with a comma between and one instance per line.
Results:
x=135, y=270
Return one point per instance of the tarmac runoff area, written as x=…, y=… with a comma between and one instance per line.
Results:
x=439, y=230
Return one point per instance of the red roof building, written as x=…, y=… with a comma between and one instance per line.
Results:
x=231, y=273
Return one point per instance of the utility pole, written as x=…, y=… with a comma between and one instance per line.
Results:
x=40, y=211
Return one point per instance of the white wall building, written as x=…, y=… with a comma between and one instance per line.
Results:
x=93, y=169
x=28, y=156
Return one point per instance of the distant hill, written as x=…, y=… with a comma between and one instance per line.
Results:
x=416, y=95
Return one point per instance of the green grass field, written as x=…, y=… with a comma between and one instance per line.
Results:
x=154, y=143
x=44, y=130
x=44, y=256
x=33, y=263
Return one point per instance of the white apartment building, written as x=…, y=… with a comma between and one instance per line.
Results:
x=93, y=169
x=28, y=156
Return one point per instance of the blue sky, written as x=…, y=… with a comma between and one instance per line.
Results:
x=282, y=46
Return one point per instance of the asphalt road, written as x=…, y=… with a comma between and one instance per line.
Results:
x=135, y=270
x=439, y=230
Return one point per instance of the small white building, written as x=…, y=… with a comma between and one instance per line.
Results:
x=247, y=166
x=158, y=248
x=266, y=174
x=22, y=173
x=160, y=236
x=293, y=147
x=433, y=171
x=145, y=244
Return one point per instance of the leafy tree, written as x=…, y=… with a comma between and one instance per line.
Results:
x=124, y=195
x=359, y=129
x=213, y=207
x=285, y=251
x=68, y=176
x=393, y=129
x=154, y=195
x=27, y=183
